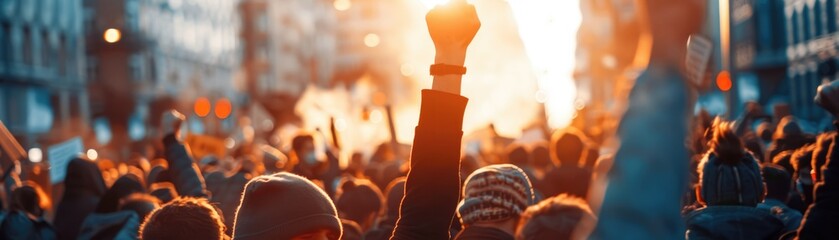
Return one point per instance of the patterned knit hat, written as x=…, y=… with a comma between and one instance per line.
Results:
x=495, y=193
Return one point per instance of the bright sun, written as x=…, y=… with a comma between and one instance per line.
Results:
x=431, y=3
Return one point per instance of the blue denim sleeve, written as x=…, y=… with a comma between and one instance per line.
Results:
x=649, y=174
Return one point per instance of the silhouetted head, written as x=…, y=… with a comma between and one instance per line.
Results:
x=778, y=182
x=567, y=147
x=184, y=218
x=395, y=192
x=541, y=157
x=822, y=147
x=140, y=203
x=754, y=145
x=360, y=201
x=784, y=159
x=285, y=205
x=518, y=155
x=29, y=198
x=558, y=217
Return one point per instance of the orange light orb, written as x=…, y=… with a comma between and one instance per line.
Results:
x=202, y=107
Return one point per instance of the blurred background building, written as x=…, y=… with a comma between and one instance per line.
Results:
x=146, y=56
x=43, y=95
x=287, y=46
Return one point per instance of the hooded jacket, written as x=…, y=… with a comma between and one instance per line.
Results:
x=82, y=189
x=122, y=225
x=732, y=222
x=107, y=222
x=790, y=217
x=17, y=225
x=482, y=233
x=820, y=219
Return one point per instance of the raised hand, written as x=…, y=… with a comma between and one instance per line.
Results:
x=453, y=26
x=171, y=122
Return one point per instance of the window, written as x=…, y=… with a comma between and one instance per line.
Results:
x=61, y=56
x=27, y=47
x=5, y=43
x=46, y=50
x=830, y=16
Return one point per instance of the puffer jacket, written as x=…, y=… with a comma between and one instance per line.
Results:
x=732, y=222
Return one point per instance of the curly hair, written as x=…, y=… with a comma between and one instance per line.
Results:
x=558, y=217
x=184, y=218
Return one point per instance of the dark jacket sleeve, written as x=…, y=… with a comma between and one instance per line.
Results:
x=820, y=220
x=185, y=174
x=432, y=188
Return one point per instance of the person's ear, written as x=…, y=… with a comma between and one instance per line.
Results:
x=699, y=198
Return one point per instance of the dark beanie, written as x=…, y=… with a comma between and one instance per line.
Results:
x=728, y=174
x=495, y=193
x=124, y=186
x=281, y=206
x=731, y=181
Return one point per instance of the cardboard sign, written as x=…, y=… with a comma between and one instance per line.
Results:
x=60, y=155
x=698, y=56
x=203, y=145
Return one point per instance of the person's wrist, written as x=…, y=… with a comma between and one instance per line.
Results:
x=450, y=57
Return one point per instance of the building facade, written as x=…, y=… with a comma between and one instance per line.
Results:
x=287, y=46
x=811, y=41
x=169, y=53
x=43, y=98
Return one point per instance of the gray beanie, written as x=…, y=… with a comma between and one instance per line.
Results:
x=281, y=206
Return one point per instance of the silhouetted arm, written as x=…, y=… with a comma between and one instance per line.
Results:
x=432, y=188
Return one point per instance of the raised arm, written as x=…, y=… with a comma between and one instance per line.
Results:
x=185, y=174
x=432, y=189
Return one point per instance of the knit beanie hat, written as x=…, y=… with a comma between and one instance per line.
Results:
x=495, y=193
x=731, y=181
x=729, y=175
x=281, y=206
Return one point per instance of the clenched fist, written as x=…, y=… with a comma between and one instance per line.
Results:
x=453, y=26
x=172, y=122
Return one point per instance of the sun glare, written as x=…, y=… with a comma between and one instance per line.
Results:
x=431, y=3
x=548, y=30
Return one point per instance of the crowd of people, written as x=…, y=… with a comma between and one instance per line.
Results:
x=744, y=179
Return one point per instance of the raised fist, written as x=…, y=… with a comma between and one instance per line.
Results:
x=827, y=97
x=453, y=26
x=171, y=122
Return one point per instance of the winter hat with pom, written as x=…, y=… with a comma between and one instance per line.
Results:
x=729, y=175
